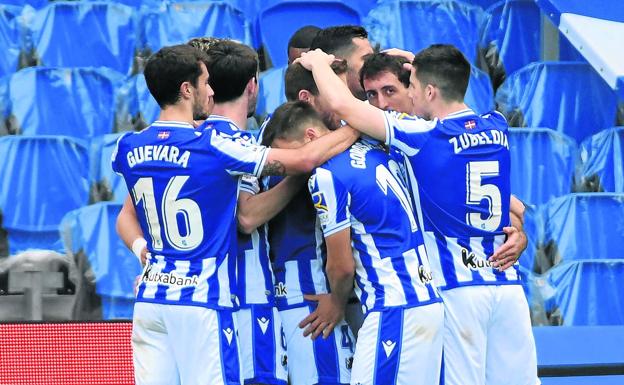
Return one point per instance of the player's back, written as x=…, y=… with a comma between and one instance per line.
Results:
x=183, y=183
x=362, y=188
x=461, y=190
x=297, y=251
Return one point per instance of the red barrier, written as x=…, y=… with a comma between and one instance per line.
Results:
x=89, y=353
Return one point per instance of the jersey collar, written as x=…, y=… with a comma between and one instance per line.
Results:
x=459, y=114
x=224, y=119
x=172, y=123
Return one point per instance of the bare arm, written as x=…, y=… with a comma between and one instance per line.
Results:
x=255, y=210
x=340, y=270
x=509, y=252
x=128, y=227
x=362, y=116
x=306, y=158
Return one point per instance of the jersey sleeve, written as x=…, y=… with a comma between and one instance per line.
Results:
x=239, y=155
x=331, y=201
x=250, y=184
x=406, y=132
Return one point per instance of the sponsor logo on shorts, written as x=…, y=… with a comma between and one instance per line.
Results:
x=388, y=347
x=264, y=324
x=349, y=362
x=229, y=333
x=471, y=261
x=170, y=278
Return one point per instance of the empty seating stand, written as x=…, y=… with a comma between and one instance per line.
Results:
x=416, y=24
x=107, y=269
x=82, y=34
x=569, y=97
x=602, y=161
x=542, y=164
x=106, y=185
x=41, y=179
x=10, y=38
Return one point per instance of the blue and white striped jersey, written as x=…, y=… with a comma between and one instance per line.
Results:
x=254, y=278
x=459, y=177
x=297, y=250
x=362, y=189
x=184, y=184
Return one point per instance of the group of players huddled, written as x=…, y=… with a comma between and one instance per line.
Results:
x=367, y=236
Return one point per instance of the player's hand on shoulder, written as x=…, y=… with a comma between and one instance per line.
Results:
x=311, y=58
x=325, y=318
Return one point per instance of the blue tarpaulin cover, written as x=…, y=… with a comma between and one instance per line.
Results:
x=9, y=38
x=110, y=186
x=78, y=102
x=278, y=20
x=569, y=97
x=92, y=230
x=543, y=164
x=602, y=161
x=177, y=22
x=41, y=179
x=415, y=24
x=82, y=34
x=272, y=91
x=138, y=101
x=585, y=226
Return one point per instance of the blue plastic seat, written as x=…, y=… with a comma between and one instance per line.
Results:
x=78, y=102
x=138, y=106
x=279, y=19
x=479, y=95
x=602, y=161
x=542, y=164
x=569, y=97
x=584, y=226
x=416, y=24
x=10, y=39
x=588, y=292
x=83, y=34
x=106, y=185
x=90, y=231
x=41, y=179
x=272, y=91
x=177, y=22
x=511, y=37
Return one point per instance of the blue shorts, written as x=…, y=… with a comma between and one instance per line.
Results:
x=320, y=361
x=263, y=351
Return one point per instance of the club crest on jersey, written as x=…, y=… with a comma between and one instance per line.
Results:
x=470, y=124
x=162, y=135
x=471, y=261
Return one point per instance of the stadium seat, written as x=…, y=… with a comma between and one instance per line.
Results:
x=139, y=106
x=9, y=39
x=177, y=22
x=82, y=34
x=78, y=102
x=588, y=292
x=416, y=24
x=41, y=179
x=279, y=19
x=602, y=161
x=542, y=164
x=569, y=97
x=511, y=37
x=584, y=226
x=479, y=95
x=103, y=260
x=106, y=185
x=272, y=92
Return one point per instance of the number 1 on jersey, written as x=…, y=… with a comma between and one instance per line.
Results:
x=172, y=209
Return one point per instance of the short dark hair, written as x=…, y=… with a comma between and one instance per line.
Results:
x=231, y=65
x=203, y=43
x=302, y=38
x=298, y=78
x=382, y=62
x=168, y=68
x=338, y=40
x=444, y=66
x=288, y=120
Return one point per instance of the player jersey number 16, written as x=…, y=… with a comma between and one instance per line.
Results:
x=476, y=191
x=171, y=208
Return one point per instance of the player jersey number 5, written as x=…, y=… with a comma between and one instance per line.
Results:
x=477, y=191
x=172, y=210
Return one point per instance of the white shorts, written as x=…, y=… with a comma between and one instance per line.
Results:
x=176, y=344
x=488, y=338
x=263, y=351
x=400, y=346
x=319, y=361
